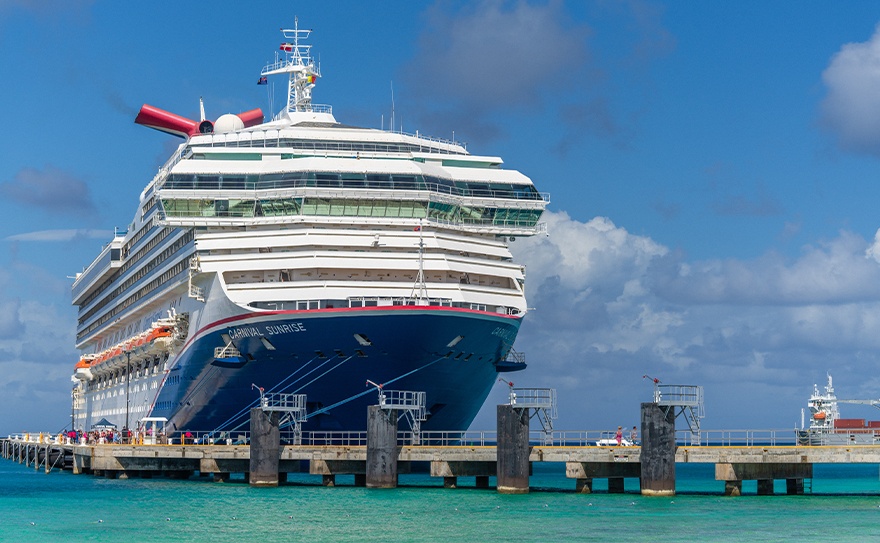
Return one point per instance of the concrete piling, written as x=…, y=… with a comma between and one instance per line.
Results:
x=615, y=485
x=733, y=488
x=381, y=448
x=265, y=444
x=513, y=450
x=658, y=451
x=583, y=486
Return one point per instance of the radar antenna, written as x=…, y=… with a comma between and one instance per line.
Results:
x=300, y=66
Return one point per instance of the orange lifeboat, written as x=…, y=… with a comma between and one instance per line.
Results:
x=819, y=416
x=83, y=363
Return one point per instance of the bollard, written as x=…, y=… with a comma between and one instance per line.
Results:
x=658, y=451
x=265, y=444
x=513, y=450
x=381, y=447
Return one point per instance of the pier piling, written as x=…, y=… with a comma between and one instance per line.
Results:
x=381, y=464
x=658, y=451
x=265, y=445
x=513, y=450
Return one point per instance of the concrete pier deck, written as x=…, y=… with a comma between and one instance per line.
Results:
x=733, y=464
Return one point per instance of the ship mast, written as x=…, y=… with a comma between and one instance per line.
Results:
x=299, y=66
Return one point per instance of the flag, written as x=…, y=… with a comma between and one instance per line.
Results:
x=286, y=47
x=417, y=229
x=311, y=79
x=263, y=81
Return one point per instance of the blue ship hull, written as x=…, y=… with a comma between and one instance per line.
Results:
x=318, y=354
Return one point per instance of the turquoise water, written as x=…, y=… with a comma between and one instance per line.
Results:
x=845, y=506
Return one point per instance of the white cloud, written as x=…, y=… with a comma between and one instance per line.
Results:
x=61, y=235
x=613, y=306
x=851, y=108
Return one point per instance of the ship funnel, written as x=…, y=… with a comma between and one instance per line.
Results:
x=176, y=125
x=159, y=119
x=252, y=117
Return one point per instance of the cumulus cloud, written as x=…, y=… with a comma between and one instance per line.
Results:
x=61, y=235
x=36, y=359
x=851, y=108
x=10, y=321
x=51, y=189
x=612, y=306
x=497, y=54
x=479, y=63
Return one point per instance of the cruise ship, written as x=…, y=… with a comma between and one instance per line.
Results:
x=302, y=255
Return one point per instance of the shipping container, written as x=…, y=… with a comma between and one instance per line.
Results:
x=849, y=423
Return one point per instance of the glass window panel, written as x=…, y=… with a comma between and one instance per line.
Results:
x=327, y=179
x=405, y=182
x=337, y=207
x=365, y=208
x=310, y=206
x=241, y=208
x=322, y=207
x=378, y=208
x=406, y=209
x=233, y=182
x=351, y=208
x=392, y=208
x=420, y=210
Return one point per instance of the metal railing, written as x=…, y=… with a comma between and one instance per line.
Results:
x=538, y=398
x=786, y=437
x=354, y=189
x=679, y=395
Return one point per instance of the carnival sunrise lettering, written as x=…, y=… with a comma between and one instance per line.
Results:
x=236, y=333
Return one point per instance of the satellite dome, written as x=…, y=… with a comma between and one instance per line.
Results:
x=228, y=123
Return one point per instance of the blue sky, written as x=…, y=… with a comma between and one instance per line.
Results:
x=712, y=169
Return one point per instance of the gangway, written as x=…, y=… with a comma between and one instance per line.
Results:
x=293, y=407
x=686, y=400
x=410, y=403
x=539, y=402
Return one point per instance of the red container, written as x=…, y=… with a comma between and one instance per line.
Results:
x=874, y=424
x=849, y=423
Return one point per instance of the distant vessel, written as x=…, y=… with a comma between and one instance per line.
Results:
x=304, y=256
x=826, y=426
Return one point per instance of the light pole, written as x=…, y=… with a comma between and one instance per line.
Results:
x=127, y=379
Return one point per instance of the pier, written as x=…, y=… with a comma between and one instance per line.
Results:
x=376, y=457
x=583, y=463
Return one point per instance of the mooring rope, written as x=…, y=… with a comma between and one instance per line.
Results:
x=369, y=390
x=255, y=402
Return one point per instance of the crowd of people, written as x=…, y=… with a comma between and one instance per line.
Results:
x=99, y=437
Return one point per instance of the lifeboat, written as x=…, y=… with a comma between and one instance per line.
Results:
x=819, y=416
x=81, y=370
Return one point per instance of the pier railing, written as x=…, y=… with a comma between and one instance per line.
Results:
x=558, y=438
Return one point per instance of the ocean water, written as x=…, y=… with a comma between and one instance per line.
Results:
x=36, y=507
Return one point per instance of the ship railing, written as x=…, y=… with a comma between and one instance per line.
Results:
x=353, y=189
